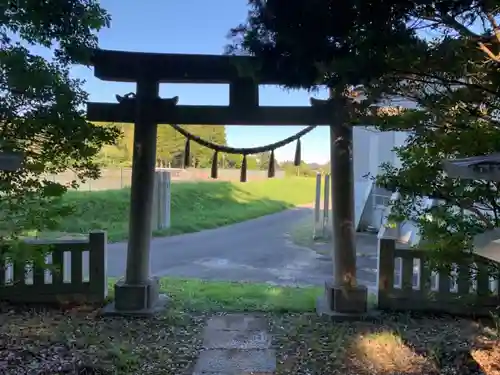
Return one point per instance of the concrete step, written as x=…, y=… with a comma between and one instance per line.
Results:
x=236, y=344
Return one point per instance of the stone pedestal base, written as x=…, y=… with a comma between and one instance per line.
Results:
x=348, y=300
x=341, y=303
x=136, y=300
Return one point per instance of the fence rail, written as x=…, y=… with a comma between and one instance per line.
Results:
x=75, y=271
x=405, y=282
x=119, y=178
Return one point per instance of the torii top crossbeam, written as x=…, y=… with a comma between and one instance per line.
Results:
x=125, y=66
x=236, y=71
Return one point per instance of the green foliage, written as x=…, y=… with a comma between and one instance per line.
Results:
x=441, y=55
x=468, y=207
x=263, y=160
x=195, y=206
x=170, y=146
x=233, y=161
x=315, y=43
x=42, y=111
x=304, y=170
x=378, y=44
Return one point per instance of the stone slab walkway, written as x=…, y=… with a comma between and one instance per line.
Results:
x=236, y=344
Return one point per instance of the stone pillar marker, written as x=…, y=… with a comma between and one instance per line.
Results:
x=138, y=294
x=343, y=297
x=317, y=207
x=326, y=208
x=161, y=200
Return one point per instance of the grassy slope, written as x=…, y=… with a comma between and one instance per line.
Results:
x=195, y=206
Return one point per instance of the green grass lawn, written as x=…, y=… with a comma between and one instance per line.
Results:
x=211, y=296
x=195, y=206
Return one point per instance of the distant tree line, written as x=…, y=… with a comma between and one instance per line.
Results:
x=170, y=151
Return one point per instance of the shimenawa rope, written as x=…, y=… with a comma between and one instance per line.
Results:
x=233, y=150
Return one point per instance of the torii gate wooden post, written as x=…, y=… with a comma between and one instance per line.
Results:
x=344, y=297
x=138, y=294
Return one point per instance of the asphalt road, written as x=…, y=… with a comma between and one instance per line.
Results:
x=258, y=250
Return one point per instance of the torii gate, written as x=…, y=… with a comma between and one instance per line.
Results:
x=138, y=293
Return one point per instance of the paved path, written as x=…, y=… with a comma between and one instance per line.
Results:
x=258, y=250
x=236, y=344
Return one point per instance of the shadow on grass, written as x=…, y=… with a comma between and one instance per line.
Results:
x=194, y=206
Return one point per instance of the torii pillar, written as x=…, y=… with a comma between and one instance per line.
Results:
x=139, y=294
x=343, y=297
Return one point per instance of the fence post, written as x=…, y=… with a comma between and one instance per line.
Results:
x=97, y=265
x=121, y=177
x=326, y=208
x=317, y=205
x=385, y=277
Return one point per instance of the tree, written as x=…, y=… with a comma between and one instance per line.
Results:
x=292, y=170
x=263, y=160
x=119, y=153
x=381, y=47
x=466, y=207
x=42, y=108
x=233, y=161
x=169, y=146
x=314, y=43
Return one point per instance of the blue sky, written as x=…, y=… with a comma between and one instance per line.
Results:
x=194, y=26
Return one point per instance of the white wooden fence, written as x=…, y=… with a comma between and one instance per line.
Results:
x=406, y=283
x=74, y=272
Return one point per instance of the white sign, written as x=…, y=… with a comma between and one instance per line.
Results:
x=487, y=244
x=11, y=161
x=485, y=167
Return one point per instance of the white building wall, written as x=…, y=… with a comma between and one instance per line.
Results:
x=371, y=148
x=363, y=151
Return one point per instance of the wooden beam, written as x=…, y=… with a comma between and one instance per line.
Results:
x=125, y=66
x=211, y=115
x=244, y=93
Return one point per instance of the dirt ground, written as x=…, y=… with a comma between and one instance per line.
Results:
x=77, y=341
x=397, y=344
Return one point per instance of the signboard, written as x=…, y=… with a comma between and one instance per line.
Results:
x=11, y=161
x=487, y=244
x=485, y=167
